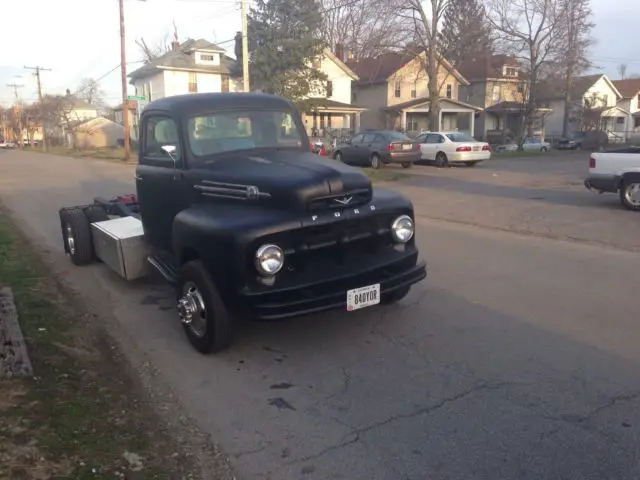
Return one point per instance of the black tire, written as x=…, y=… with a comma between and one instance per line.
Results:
x=95, y=213
x=624, y=192
x=543, y=149
x=337, y=156
x=217, y=333
x=76, y=235
x=376, y=161
x=441, y=160
x=407, y=165
x=395, y=296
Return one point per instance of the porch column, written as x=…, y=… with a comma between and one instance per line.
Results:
x=440, y=120
x=403, y=121
x=472, y=123
x=346, y=121
x=356, y=128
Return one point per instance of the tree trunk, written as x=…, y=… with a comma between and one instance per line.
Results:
x=434, y=94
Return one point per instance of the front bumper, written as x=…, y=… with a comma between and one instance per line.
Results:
x=330, y=292
x=602, y=183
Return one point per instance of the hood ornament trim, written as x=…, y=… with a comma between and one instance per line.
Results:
x=343, y=201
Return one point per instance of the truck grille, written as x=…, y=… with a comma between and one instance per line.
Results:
x=348, y=199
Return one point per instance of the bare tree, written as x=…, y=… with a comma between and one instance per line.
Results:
x=365, y=28
x=426, y=23
x=90, y=91
x=152, y=51
x=622, y=70
x=529, y=30
x=574, y=45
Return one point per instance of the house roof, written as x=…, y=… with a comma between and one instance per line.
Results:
x=343, y=66
x=628, y=88
x=553, y=90
x=487, y=66
x=182, y=58
x=326, y=104
x=423, y=100
x=379, y=69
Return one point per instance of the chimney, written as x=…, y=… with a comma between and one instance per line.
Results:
x=339, y=51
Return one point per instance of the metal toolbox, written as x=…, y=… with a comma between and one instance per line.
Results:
x=120, y=244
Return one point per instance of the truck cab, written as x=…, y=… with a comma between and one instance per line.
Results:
x=242, y=217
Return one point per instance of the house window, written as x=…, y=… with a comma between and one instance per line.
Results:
x=329, y=88
x=206, y=58
x=225, y=83
x=354, y=96
x=620, y=120
x=414, y=90
x=605, y=99
x=193, y=82
x=449, y=91
x=316, y=62
x=511, y=72
x=636, y=122
x=496, y=93
x=397, y=90
x=638, y=102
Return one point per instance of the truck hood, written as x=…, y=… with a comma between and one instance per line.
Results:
x=286, y=179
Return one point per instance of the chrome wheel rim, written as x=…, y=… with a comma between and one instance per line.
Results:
x=338, y=157
x=632, y=194
x=71, y=242
x=192, y=310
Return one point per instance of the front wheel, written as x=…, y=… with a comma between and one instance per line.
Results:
x=630, y=196
x=543, y=149
x=337, y=156
x=204, y=317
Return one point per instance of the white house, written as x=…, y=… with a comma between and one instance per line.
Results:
x=630, y=102
x=195, y=66
x=594, y=105
x=330, y=107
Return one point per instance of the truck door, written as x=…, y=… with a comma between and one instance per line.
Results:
x=159, y=180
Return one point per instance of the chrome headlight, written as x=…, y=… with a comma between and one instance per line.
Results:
x=269, y=259
x=402, y=229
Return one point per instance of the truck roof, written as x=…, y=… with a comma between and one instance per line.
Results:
x=195, y=103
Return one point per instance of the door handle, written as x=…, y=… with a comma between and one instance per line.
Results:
x=137, y=177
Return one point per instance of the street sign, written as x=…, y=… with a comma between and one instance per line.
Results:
x=135, y=97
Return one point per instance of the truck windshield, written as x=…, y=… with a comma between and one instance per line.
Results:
x=229, y=131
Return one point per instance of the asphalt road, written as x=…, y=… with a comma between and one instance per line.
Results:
x=517, y=358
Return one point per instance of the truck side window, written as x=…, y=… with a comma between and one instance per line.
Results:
x=160, y=131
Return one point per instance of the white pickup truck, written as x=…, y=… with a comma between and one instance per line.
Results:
x=617, y=171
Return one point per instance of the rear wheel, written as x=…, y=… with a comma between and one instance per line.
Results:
x=76, y=235
x=204, y=317
x=543, y=149
x=441, y=160
x=630, y=195
x=337, y=156
x=376, y=162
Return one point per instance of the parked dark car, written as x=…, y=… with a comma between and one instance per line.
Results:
x=593, y=140
x=378, y=148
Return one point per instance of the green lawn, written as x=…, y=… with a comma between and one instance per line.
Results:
x=81, y=416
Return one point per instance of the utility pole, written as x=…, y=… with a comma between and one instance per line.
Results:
x=17, y=113
x=123, y=73
x=39, y=69
x=245, y=47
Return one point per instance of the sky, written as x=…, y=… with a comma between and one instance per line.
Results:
x=79, y=39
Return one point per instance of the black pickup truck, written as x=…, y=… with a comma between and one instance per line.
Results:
x=236, y=212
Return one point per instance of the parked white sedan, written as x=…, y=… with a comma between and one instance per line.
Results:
x=446, y=148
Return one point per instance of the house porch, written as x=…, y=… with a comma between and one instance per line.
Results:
x=326, y=118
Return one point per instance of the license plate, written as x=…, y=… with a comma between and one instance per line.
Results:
x=407, y=147
x=475, y=149
x=363, y=297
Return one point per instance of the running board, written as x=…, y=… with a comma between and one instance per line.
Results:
x=168, y=271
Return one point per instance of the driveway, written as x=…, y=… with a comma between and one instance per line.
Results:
x=517, y=358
